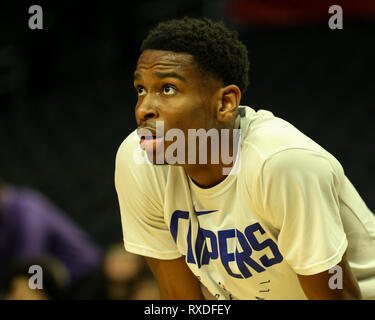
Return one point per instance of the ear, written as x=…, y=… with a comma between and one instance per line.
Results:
x=228, y=102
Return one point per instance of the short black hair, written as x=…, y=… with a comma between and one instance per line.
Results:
x=216, y=49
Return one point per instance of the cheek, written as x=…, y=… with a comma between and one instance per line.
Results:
x=189, y=113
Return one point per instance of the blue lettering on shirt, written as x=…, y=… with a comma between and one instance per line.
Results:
x=225, y=256
x=247, y=241
x=244, y=258
x=267, y=262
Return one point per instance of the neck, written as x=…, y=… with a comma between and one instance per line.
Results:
x=209, y=175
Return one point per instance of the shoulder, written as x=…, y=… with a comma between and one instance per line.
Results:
x=266, y=134
x=266, y=137
x=300, y=162
x=272, y=149
x=127, y=148
x=134, y=171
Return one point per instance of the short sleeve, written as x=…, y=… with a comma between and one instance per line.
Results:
x=300, y=192
x=139, y=190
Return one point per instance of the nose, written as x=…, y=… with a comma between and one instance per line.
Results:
x=146, y=109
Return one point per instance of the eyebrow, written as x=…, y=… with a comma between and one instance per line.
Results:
x=162, y=75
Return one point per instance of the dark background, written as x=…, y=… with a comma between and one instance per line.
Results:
x=67, y=102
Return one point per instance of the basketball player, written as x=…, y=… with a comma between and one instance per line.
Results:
x=284, y=223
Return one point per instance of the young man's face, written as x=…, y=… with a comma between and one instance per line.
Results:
x=171, y=89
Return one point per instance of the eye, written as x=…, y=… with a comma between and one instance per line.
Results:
x=169, y=90
x=141, y=91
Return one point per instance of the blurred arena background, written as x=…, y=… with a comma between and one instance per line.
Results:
x=67, y=101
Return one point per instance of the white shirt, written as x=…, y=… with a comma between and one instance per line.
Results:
x=288, y=210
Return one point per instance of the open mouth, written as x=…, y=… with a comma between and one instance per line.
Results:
x=149, y=139
x=150, y=143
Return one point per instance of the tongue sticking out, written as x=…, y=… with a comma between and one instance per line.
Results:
x=150, y=143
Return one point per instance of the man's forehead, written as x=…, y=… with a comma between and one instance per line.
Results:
x=159, y=58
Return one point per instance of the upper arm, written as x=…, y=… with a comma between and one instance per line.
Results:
x=140, y=190
x=301, y=195
x=175, y=280
x=339, y=285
